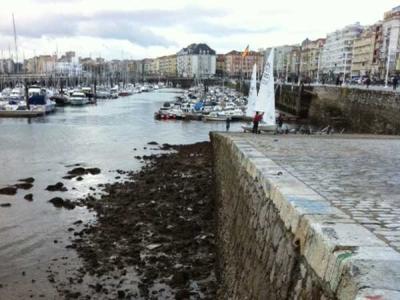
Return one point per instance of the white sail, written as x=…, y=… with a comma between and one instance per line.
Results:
x=266, y=95
x=251, y=100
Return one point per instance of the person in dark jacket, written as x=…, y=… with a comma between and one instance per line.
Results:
x=228, y=123
x=257, y=119
x=395, y=82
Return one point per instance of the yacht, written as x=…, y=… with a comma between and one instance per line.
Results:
x=39, y=99
x=78, y=98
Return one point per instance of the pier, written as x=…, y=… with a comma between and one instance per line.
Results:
x=308, y=217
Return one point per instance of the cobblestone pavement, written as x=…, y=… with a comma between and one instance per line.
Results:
x=358, y=174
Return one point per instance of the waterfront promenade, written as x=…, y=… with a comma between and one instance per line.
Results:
x=358, y=174
x=323, y=210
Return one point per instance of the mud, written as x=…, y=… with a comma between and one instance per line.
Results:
x=154, y=233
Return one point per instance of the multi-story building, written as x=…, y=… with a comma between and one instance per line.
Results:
x=220, y=67
x=366, y=51
x=237, y=66
x=167, y=65
x=391, y=40
x=68, y=64
x=42, y=64
x=196, y=60
x=148, y=66
x=293, y=58
x=338, y=50
x=281, y=62
x=310, y=59
x=7, y=66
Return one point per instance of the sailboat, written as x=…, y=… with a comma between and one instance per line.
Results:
x=252, y=98
x=265, y=101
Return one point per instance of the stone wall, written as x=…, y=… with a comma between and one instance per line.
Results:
x=353, y=109
x=259, y=257
x=278, y=239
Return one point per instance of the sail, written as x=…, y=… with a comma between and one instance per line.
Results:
x=266, y=95
x=251, y=100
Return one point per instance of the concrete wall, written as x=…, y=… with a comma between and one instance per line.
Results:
x=278, y=239
x=356, y=110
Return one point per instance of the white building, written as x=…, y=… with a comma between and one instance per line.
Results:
x=197, y=60
x=70, y=67
x=391, y=39
x=337, y=52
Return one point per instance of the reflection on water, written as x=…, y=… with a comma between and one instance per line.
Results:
x=102, y=136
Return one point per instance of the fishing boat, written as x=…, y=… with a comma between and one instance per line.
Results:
x=78, y=98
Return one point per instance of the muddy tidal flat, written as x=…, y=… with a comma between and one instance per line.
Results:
x=153, y=237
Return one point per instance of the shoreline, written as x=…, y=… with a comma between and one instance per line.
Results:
x=153, y=235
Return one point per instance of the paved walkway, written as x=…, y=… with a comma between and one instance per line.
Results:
x=358, y=174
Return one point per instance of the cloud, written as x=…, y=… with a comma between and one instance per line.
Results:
x=218, y=30
x=136, y=26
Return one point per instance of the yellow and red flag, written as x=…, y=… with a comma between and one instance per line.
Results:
x=246, y=51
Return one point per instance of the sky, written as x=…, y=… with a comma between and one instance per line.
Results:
x=131, y=29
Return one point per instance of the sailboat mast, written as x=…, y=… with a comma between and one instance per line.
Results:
x=15, y=39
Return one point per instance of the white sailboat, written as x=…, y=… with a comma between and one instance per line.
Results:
x=266, y=96
x=251, y=100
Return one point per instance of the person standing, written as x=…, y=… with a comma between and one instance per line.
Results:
x=257, y=119
x=228, y=123
x=368, y=82
x=395, y=82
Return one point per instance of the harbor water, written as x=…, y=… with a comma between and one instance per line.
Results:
x=34, y=234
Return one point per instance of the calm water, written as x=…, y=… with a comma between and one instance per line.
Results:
x=102, y=136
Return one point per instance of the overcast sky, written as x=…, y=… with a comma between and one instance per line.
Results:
x=150, y=28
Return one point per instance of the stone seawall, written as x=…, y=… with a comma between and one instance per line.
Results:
x=278, y=239
x=355, y=110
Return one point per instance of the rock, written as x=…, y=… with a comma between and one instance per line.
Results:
x=5, y=205
x=28, y=197
x=93, y=171
x=121, y=294
x=59, y=186
x=59, y=202
x=9, y=190
x=27, y=180
x=69, y=177
x=80, y=178
x=152, y=143
x=24, y=186
x=138, y=157
x=77, y=171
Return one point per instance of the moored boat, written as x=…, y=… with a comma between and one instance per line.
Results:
x=78, y=98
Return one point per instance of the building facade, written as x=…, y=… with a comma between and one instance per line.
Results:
x=7, y=66
x=220, y=67
x=167, y=66
x=366, y=52
x=391, y=40
x=237, y=66
x=337, y=53
x=196, y=61
x=310, y=60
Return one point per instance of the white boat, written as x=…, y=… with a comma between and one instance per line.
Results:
x=78, y=98
x=39, y=99
x=251, y=100
x=17, y=94
x=216, y=116
x=265, y=101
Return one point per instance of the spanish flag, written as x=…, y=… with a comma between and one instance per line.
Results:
x=245, y=52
